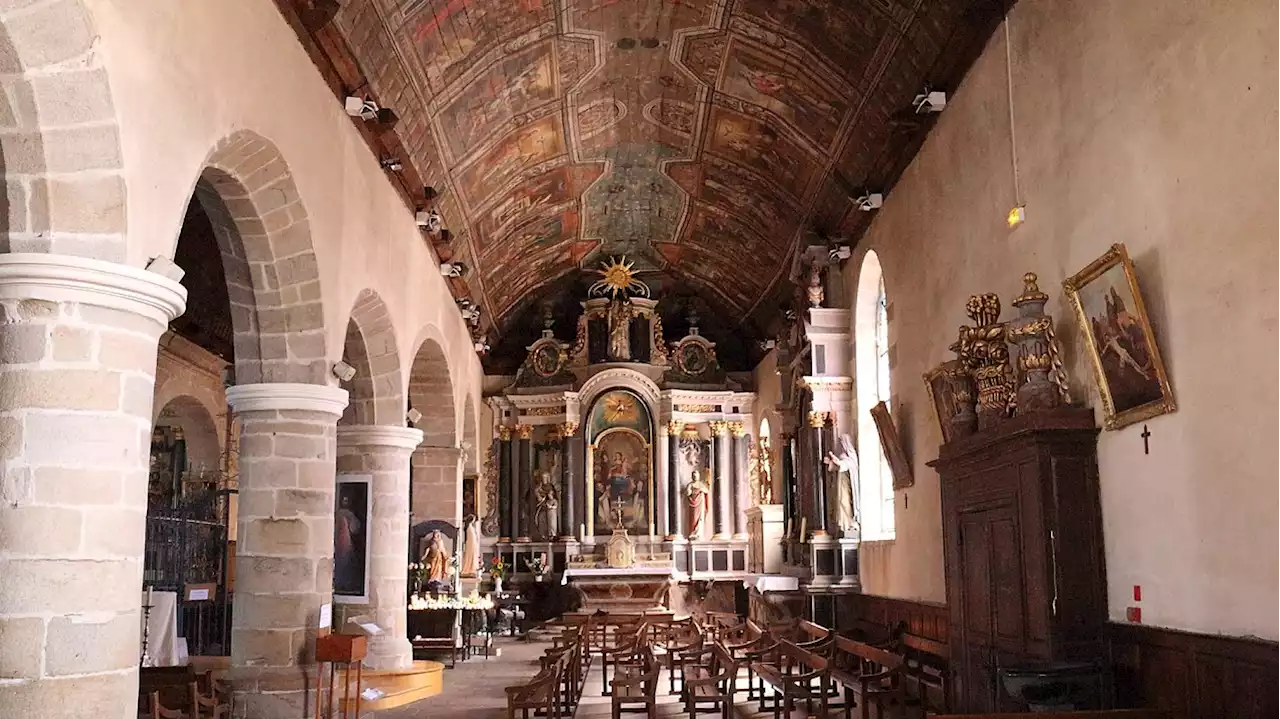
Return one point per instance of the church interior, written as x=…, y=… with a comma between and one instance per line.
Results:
x=560, y=358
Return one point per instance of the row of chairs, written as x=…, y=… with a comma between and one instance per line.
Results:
x=201, y=698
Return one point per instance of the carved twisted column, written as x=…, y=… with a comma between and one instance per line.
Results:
x=524, y=481
x=506, y=519
x=674, y=508
x=383, y=452
x=818, y=429
x=723, y=484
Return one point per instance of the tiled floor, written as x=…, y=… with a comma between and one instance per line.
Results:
x=474, y=690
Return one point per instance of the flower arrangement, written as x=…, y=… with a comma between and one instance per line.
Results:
x=537, y=565
x=474, y=601
x=417, y=575
x=497, y=568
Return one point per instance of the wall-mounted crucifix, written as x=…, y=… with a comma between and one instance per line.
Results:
x=1146, y=437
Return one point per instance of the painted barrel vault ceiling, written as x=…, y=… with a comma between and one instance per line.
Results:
x=711, y=140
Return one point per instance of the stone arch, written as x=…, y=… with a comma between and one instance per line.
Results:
x=377, y=391
x=273, y=278
x=199, y=430
x=431, y=393
x=62, y=163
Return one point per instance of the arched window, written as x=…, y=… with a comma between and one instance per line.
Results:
x=871, y=355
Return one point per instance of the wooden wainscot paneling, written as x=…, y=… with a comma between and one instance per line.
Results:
x=1199, y=676
x=924, y=619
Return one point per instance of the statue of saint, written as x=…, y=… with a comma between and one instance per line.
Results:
x=471, y=548
x=435, y=559
x=698, y=495
x=546, y=504
x=620, y=331
x=846, y=465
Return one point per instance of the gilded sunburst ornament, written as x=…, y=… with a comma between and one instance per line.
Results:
x=618, y=277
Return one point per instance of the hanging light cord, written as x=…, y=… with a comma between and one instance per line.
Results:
x=1013, y=142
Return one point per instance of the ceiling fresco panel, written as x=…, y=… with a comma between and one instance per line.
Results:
x=705, y=139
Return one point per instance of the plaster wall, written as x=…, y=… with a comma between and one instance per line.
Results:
x=184, y=75
x=1153, y=124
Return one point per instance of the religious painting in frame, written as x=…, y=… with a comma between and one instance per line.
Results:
x=622, y=476
x=942, y=397
x=892, y=446
x=1120, y=341
x=351, y=514
x=469, y=495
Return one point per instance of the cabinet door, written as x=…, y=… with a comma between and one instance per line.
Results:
x=993, y=600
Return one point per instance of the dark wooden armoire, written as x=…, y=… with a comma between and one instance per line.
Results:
x=1022, y=536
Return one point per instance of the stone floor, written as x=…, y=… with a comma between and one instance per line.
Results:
x=474, y=690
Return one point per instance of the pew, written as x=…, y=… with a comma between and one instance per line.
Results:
x=541, y=694
x=794, y=674
x=926, y=672
x=710, y=679
x=636, y=686
x=1100, y=714
x=870, y=676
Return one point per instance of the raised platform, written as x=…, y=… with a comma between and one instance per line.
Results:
x=400, y=686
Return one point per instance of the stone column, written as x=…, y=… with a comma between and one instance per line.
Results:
x=661, y=485
x=573, y=497
x=818, y=430
x=77, y=367
x=437, y=484
x=524, y=482
x=506, y=520
x=720, y=461
x=675, y=508
x=383, y=452
x=788, y=480
x=568, y=530
x=284, y=547
x=738, y=477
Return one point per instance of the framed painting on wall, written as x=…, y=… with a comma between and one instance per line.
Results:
x=1121, y=344
x=942, y=397
x=892, y=446
x=351, y=514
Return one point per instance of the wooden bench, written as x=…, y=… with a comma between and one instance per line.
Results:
x=539, y=694
x=710, y=681
x=926, y=672
x=1105, y=714
x=793, y=674
x=688, y=641
x=636, y=687
x=745, y=649
x=869, y=676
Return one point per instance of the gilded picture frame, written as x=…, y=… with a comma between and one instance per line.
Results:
x=892, y=446
x=1121, y=343
x=942, y=398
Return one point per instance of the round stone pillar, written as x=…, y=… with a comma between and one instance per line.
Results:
x=383, y=453
x=77, y=367
x=284, y=547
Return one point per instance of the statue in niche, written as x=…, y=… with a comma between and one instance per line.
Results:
x=471, y=547
x=846, y=466
x=698, y=495
x=547, y=501
x=436, y=560
x=620, y=330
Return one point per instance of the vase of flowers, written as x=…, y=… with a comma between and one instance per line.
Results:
x=497, y=570
x=417, y=574
x=537, y=566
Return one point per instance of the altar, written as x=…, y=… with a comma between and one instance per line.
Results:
x=636, y=589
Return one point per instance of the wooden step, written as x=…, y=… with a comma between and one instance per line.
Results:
x=400, y=686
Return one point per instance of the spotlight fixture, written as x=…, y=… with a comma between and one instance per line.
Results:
x=471, y=314
x=840, y=253
x=367, y=110
x=429, y=220
x=413, y=415
x=1016, y=216
x=767, y=345
x=452, y=269
x=391, y=164
x=482, y=347
x=165, y=267
x=463, y=303
x=869, y=201
x=929, y=101
x=344, y=371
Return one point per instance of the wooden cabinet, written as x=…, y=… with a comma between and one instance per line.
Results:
x=1022, y=535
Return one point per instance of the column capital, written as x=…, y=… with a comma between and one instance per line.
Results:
x=568, y=429
x=719, y=428
x=378, y=435
x=675, y=428
x=504, y=433
x=525, y=431
x=66, y=278
x=817, y=420
x=286, y=396
x=737, y=429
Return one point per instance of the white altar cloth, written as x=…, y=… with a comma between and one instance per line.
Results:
x=164, y=647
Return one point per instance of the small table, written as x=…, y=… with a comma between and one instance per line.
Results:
x=346, y=649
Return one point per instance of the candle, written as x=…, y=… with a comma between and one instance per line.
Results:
x=582, y=532
x=149, y=591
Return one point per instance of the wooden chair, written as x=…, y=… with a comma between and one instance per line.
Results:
x=711, y=682
x=207, y=706
x=636, y=687
x=690, y=641
x=626, y=645
x=926, y=673
x=794, y=674
x=869, y=676
x=749, y=642
x=538, y=694
x=1103, y=714
x=156, y=710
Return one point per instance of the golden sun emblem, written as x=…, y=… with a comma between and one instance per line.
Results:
x=619, y=408
x=618, y=277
